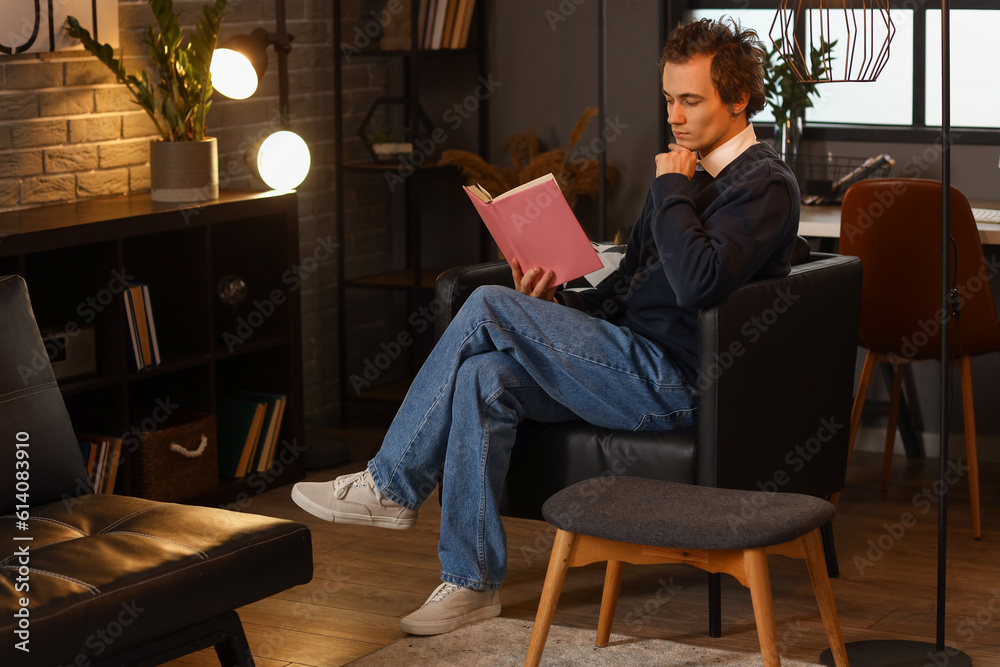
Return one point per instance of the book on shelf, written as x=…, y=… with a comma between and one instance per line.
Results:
x=144, y=348
x=463, y=24
x=441, y=13
x=449, y=24
x=238, y=424
x=270, y=430
x=103, y=457
x=534, y=223
x=141, y=324
x=134, y=348
x=428, y=29
x=153, y=342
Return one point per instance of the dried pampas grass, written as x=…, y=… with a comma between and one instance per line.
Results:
x=576, y=178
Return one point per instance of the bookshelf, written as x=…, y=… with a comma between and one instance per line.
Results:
x=425, y=78
x=74, y=257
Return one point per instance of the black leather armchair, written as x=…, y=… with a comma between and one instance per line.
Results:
x=91, y=579
x=776, y=377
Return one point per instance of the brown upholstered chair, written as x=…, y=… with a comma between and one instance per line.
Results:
x=894, y=226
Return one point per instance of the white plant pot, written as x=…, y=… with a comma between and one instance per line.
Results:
x=184, y=171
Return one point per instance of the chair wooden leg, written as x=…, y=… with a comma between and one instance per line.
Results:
x=609, y=601
x=856, y=409
x=859, y=400
x=890, y=429
x=970, y=445
x=759, y=583
x=554, y=578
x=813, y=548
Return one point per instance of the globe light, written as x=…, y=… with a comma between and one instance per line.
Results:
x=283, y=160
x=233, y=74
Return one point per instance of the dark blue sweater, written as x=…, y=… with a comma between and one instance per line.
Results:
x=696, y=241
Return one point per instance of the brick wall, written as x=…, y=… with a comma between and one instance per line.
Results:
x=67, y=132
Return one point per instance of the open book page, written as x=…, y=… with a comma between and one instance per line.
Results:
x=533, y=223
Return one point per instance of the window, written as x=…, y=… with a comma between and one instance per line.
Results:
x=905, y=102
x=975, y=68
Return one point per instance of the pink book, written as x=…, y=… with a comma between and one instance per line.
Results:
x=534, y=223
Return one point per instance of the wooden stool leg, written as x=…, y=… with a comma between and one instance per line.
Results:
x=970, y=445
x=759, y=582
x=890, y=429
x=609, y=601
x=554, y=578
x=813, y=548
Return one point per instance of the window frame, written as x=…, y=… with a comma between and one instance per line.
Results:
x=919, y=132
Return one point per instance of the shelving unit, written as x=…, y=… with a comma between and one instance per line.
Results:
x=414, y=280
x=74, y=258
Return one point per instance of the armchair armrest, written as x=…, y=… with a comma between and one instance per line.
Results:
x=455, y=285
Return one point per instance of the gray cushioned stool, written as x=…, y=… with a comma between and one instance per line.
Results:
x=640, y=521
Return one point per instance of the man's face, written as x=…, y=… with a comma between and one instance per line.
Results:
x=697, y=116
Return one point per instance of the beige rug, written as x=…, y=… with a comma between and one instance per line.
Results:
x=504, y=641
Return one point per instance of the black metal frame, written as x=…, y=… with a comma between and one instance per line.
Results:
x=224, y=632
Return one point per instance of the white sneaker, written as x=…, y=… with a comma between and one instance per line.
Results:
x=352, y=499
x=449, y=607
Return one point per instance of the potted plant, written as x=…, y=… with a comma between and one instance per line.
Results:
x=788, y=98
x=183, y=162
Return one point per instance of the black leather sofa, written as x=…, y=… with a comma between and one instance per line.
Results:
x=92, y=579
x=777, y=377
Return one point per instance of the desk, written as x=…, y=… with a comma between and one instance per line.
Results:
x=823, y=222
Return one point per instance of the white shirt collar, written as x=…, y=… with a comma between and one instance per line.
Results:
x=720, y=158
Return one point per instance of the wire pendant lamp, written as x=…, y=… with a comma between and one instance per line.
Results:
x=863, y=30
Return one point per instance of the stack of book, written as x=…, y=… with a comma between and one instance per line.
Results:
x=248, y=426
x=144, y=350
x=445, y=24
x=102, y=454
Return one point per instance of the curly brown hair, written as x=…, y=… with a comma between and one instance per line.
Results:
x=737, y=58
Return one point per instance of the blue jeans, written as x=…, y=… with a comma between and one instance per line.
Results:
x=507, y=357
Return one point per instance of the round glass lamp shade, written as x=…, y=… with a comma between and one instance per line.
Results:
x=283, y=160
x=233, y=74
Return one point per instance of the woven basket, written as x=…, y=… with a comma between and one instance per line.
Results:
x=179, y=460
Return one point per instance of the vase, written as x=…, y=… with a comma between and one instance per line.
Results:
x=788, y=140
x=184, y=171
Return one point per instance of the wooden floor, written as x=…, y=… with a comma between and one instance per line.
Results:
x=365, y=579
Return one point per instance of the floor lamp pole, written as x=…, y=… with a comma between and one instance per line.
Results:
x=903, y=653
x=946, y=286
x=602, y=112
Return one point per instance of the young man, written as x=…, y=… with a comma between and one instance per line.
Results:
x=722, y=210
